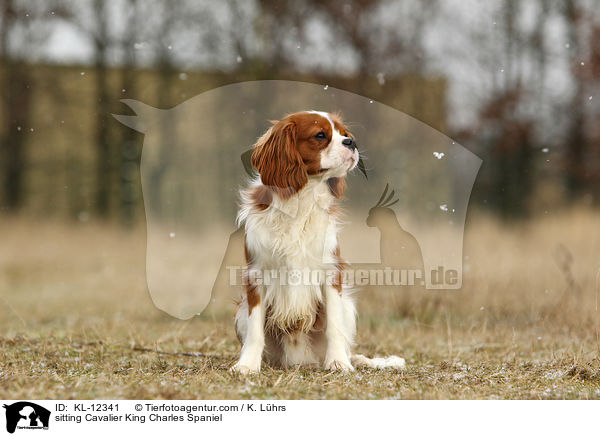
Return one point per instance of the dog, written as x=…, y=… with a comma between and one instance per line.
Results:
x=290, y=214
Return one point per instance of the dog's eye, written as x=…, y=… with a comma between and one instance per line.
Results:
x=321, y=135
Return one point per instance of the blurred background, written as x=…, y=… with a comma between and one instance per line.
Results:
x=515, y=82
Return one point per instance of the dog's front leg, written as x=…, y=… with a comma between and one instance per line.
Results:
x=337, y=356
x=253, y=342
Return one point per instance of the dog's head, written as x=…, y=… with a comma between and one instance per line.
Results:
x=303, y=145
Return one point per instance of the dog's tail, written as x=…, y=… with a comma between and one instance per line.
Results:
x=395, y=362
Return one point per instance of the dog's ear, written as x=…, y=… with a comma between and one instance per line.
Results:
x=278, y=161
x=337, y=186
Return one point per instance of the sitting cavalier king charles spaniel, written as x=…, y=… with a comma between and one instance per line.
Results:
x=287, y=316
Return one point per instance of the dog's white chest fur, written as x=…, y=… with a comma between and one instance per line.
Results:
x=292, y=243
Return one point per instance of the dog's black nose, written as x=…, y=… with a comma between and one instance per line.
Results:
x=349, y=143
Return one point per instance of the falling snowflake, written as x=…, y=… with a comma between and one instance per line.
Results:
x=239, y=59
x=183, y=76
x=545, y=150
x=171, y=235
x=444, y=207
x=326, y=87
x=438, y=154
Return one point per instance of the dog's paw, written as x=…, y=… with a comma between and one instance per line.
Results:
x=394, y=362
x=244, y=369
x=342, y=365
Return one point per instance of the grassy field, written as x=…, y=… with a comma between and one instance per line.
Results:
x=77, y=322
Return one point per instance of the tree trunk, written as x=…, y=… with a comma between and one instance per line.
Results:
x=103, y=163
x=17, y=94
x=129, y=150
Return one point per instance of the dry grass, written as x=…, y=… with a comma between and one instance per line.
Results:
x=75, y=311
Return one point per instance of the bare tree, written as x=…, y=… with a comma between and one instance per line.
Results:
x=129, y=151
x=16, y=99
x=103, y=162
x=576, y=145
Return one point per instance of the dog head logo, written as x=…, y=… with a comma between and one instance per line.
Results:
x=26, y=415
x=191, y=177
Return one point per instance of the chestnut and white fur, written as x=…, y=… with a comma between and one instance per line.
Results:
x=291, y=224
